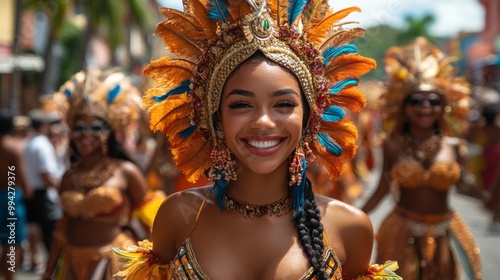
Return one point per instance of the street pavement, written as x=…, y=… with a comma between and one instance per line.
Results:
x=471, y=210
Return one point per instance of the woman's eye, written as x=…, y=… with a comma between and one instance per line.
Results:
x=239, y=104
x=287, y=104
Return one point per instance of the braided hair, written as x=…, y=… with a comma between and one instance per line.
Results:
x=310, y=232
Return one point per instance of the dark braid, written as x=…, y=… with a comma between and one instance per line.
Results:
x=311, y=233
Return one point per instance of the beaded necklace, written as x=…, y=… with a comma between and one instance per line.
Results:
x=279, y=207
x=92, y=178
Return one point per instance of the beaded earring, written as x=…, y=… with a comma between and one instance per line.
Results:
x=104, y=144
x=223, y=168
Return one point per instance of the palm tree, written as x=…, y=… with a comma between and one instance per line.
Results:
x=111, y=17
x=417, y=27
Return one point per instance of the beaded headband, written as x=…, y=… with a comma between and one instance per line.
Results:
x=422, y=67
x=212, y=37
x=108, y=95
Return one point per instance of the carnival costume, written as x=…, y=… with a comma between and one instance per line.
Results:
x=209, y=40
x=84, y=195
x=425, y=246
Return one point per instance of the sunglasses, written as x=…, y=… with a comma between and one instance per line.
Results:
x=420, y=101
x=95, y=128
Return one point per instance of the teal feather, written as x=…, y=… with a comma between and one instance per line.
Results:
x=188, y=131
x=333, y=114
x=342, y=84
x=295, y=9
x=112, y=94
x=218, y=11
x=182, y=88
x=332, y=52
x=298, y=191
x=220, y=187
x=67, y=92
x=327, y=142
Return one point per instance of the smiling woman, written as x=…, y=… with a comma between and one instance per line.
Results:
x=255, y=92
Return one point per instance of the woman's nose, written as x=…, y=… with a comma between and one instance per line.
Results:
x=263, y=119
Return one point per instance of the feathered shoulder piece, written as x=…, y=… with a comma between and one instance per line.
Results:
x=211, y=37
x=421, y=66
x=109, y=95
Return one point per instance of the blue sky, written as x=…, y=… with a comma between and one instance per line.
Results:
x=452, y=16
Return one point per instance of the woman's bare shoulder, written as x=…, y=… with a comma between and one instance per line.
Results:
x=174, y=220
x=343, y=215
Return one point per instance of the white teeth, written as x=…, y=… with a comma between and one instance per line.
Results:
x=263, y=144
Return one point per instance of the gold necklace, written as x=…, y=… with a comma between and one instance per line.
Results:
x=279, y=207
x=94, y=177
x=423, y=151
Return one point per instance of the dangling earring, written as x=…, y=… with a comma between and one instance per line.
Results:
x=104, y=144
x=222, y=169
x=222, y=164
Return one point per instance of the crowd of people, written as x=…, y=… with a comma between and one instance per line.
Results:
x=250, y=168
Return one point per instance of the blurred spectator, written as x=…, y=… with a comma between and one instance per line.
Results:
x=12, y=190
x=42, y=175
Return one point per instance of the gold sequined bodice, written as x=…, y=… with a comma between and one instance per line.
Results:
x=409, y=173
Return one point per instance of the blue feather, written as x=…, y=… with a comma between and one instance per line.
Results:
x=333, y=114
x=332, y=147
x=182, y=88
x=112, y=94
x=67, y=92
x=295, y=9
x=220, y=187
x=298, y=193
x=342, y=84
x=188, y=131
x=218, y=11
x=331, y=52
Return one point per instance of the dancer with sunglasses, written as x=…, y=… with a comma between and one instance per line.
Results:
x=423, y=107
x=253, y=93
x=102, y=187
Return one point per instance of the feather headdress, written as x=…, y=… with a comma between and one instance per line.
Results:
x=212, y=37
x=106, y=94
x=421, y=66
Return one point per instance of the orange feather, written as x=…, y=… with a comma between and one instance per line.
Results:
x=279, y=10
x=177, y=42
x=343, y=132
x=349, y=65
x=341, y=36
x=198, y=9
x=192, y=156
x=318, y=31
x=158, y=112
x=315, y=11
x=351, y=98
x=167, y=66
x=185, y=24
x=237, y=9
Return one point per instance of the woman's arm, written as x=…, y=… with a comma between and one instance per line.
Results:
x=383, y=187
x=356, y=234
x=137, y=185
x=55, y=248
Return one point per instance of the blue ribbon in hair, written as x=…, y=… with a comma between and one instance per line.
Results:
x=298, y=193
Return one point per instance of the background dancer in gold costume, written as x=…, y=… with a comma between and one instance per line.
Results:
x=423, y=107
